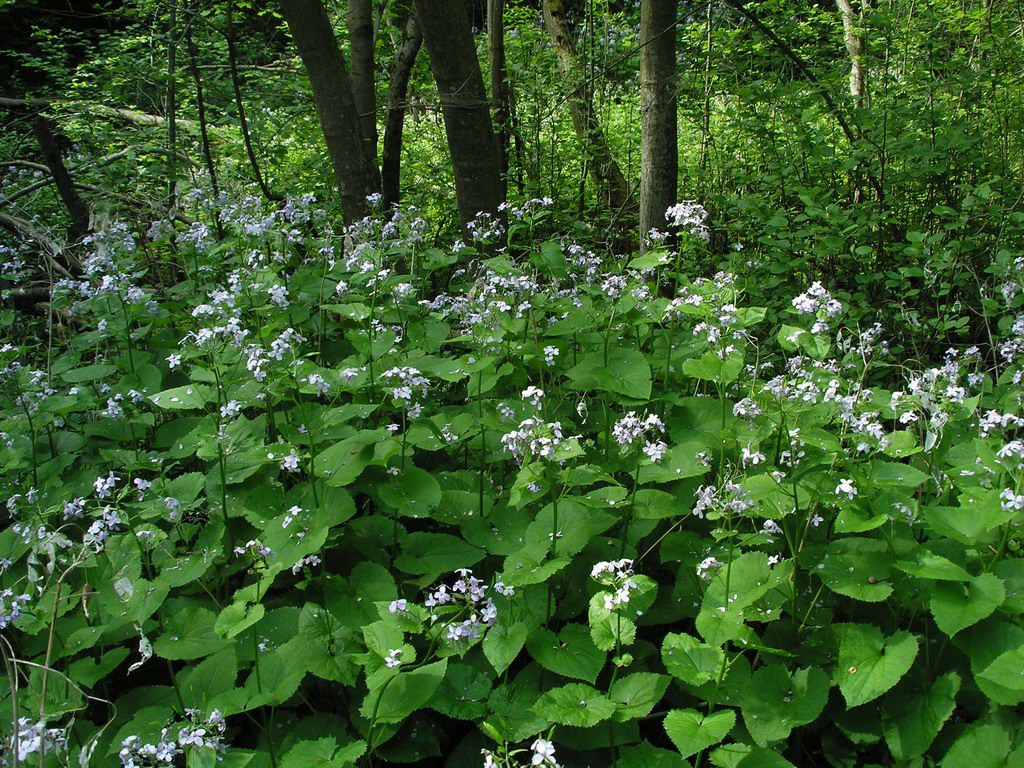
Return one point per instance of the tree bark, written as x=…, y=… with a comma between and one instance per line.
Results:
x=332, y=92
x=602, y=165
x=464, y=106
x=48, y=147
x=499, y=86
x=394, y=122
x=211, y=168
x=855, y=48
x=659, y=151
x=361, y=41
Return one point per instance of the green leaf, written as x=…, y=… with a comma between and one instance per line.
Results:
x=692, y=661
x=574, y=704
x=759, y=757
x=858, y=568
x=398, y=697
x=775, y=702
x=869, y=665
x=1007, y=670
x=431, y=554
x=983, y=746
x=189, y=634
x=185, y=398
x=646, y=756
x=236, y=618
x=322, y=753
x=93, y=372
x=913, y=716
x=626, y=373
x=503, y=642
x=344, y=461
x=693, y=732
x=957, y=606
x=209, y=678
x=637, y=694
x=413, y=492
x=571, y=653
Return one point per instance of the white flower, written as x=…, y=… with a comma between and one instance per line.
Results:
x=846, y=488
x=391, y=660
x=398, y=606
x=290, y=463
x=543, y=753
x=173, y=361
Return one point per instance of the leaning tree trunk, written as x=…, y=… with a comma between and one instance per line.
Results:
x=659, y=151
x=394, y=122
x=361, y=41
x=43, y=131
x=600, y=163
x=464, y=105
x=332, y=92
x=499, y=85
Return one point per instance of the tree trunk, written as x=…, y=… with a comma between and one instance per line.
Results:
x=332, y=92
x=602, y=166
x=464, y=105
x=398, y=89
x=48, y=147
x=362, y=42
x=236, y=86
x=499, y=85
x=854, y=40
x=204, y=134
x=172, y=107
x=659, y=152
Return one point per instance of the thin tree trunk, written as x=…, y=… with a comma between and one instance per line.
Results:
x=602, y=165
x=332, y=92
x=211, y=168
x=242, y=121
x=659, y=151
x=50, y=150
x=361, y=41
x=464, y=106
x=499, y=85
x=172, y=105
x=394, y=122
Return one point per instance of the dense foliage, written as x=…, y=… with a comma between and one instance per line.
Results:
x=284, y=493
x=300, y=509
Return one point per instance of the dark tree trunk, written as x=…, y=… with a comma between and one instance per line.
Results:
x=499, y=85
x=204, y=134
x=50, y=150
x=361, y=41
x=398, y=90
x=464, y=105
x=332, y=92
x=659, y=151
x=236, y=86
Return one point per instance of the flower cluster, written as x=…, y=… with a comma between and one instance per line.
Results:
x=33, y=737
x=617, y=574
x=729, y=499
x=631, y=429
x=197, y=733
x=534, y=438
x=464, y=607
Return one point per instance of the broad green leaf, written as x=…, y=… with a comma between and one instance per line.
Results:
x=401, y=695
x=636, y=695
x=775, y=702
x=431, y=554
x=957, y=606
x=236, y=618
x=571, y=653
x=692, y=661
x=190, y=397
x=574, y=704
x=858, y=568
x=413, y=492
x=626, y=372
x=913, y=716
x=503, y=642
x=869, y=665
x=693, y=732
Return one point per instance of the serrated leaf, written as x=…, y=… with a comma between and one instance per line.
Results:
x=957, y=606
x=574, y=704
x=637, y=694
x=571, y=653
x=913, y=716
x=869, y=665
x=693, y=732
